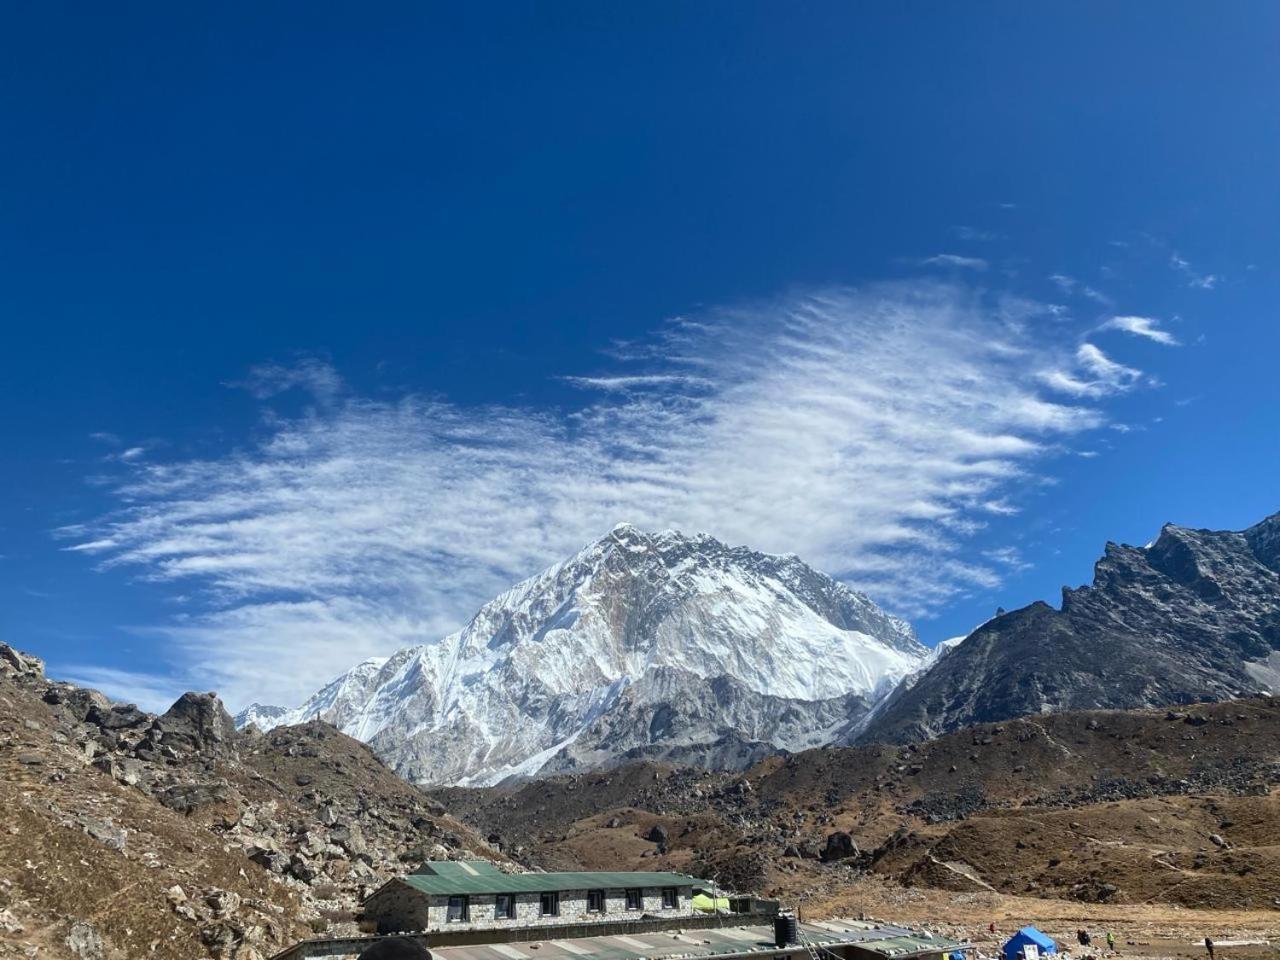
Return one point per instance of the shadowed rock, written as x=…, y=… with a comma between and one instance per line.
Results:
x=198, y=723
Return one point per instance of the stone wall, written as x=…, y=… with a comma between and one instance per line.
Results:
x=398, y=907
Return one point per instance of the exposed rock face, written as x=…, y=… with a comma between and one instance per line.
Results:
x=1195, y=614
x=19, y=665
x=197, y=721
x=641, y=646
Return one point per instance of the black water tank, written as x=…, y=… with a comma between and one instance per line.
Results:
x=786, y=931
x=396, y=948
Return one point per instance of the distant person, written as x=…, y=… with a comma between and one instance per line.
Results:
x=1087, y=939
x=1208, y=945
x=1111, y=941
x=1080, y=937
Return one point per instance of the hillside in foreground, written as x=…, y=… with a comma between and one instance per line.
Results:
x=129, y=835
x=1116, y=807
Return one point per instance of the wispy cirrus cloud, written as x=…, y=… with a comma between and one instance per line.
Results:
x=1194, y=278
x=636, y=381
x=1147, y=327
x=955, y=260
x=1090, y=374
x=870, y=431
x=1070, y=285
x=310, y=374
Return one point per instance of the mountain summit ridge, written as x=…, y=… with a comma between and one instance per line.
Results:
x=641, y=645
x=1194, y=614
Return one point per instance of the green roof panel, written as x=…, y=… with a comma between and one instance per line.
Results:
x=498, y=882
x=458, y=868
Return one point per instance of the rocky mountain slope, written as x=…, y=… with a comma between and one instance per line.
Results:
x=1095, y=807
x=1194, y=614
x=641, y=646
x=129, y=835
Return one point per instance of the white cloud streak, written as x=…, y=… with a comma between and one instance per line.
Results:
x=1201, y=281
x=1092, y=374
x=955, y=260
x=1147, y=327
x=868, y=431
x=311, y=375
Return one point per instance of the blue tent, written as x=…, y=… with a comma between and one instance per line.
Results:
x=1028, y=935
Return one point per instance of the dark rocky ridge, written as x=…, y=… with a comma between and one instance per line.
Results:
x=1194, y=615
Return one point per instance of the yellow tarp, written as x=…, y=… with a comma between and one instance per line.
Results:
x=707, y=905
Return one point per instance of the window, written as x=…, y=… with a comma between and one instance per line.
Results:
x=670, y=898
x=457, y=909
x=504, y=906
x=595, y=901
x=551, y=904
x=634, y=900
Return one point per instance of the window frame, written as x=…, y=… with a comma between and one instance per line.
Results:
x=673, y=893
x=639, y=899
x=510, y=912
x=465, y=902
x=552, y=896
x=599, y=896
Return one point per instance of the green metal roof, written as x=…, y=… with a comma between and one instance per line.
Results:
x=458, y=868
x=909, y=945
x=497, y=882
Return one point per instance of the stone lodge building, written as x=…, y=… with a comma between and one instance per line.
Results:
x=475, y=894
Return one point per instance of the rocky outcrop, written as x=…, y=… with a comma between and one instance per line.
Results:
x=1196, y=614
x=197, y=722
x=18, y=665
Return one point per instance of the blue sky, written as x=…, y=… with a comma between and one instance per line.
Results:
x=324, y=325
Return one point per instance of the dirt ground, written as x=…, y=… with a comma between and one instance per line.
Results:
x=1147, y=931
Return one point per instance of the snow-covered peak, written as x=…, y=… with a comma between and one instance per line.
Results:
x=662, y=617
x=263, y=716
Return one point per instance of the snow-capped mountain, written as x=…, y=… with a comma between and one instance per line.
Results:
x=642, y=645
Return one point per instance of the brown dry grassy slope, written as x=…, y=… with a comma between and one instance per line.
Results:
x=1094, y=807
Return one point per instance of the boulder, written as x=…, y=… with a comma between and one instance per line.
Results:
x=658, y=834
x=302, y=868
x=76, y=703
x=197, y=722
x=15, y=663
x=223, y=903
x=116, y=716
x=9, y=923
x=188, y=797
x=107, y=833
x=840, y=846
x=85, y=942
